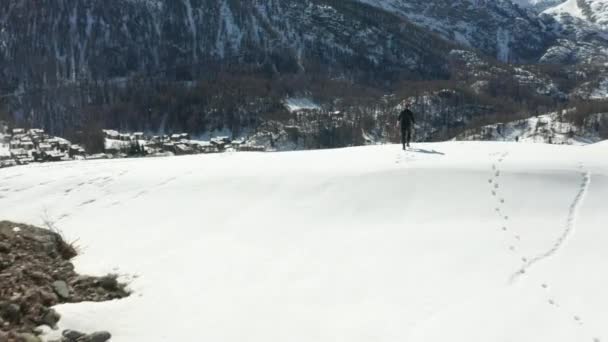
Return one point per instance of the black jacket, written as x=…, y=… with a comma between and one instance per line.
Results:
x=406, y=118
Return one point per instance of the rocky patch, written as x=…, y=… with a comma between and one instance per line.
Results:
x=35, y=275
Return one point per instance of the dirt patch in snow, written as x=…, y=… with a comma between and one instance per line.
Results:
x=36, y=274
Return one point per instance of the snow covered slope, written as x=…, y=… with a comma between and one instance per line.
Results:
x=448, y=242
x=594, y=11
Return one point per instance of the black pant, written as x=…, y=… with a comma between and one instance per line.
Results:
x=406, y=135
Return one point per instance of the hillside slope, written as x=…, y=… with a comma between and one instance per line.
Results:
x=78, y=40
x=447, y=242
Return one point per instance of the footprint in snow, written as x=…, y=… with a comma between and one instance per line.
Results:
x=493, y=193
x=496, y=186
x=502, y=200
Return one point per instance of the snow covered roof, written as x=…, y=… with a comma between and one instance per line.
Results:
x=18, y=152
x=4, y=151
x=36, y=131
x=296, y=104
x=55, y=154
x=113, y=144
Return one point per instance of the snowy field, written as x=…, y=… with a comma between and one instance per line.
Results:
x=458, y=242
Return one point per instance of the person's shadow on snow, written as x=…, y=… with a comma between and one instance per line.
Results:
x=420, y=150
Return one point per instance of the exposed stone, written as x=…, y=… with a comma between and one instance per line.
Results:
x=61, y=289
x=5, y=247
x=50, y=318
x=27, y=337
x=109, y=283
x=72, y=335
x=10, y=312
x=100, y=336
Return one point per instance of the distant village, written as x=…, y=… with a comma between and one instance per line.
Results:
x=131, y=144
x=20, y=146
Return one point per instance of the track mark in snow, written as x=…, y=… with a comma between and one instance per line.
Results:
x=64, y=216
x=568, y=229
x=557, y=246
x=13, y=176
x=86, y=202
x=512, y=244
x=139, y=194
x=167, y=181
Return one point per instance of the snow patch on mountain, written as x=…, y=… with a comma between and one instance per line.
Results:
x=569, y=7
x=296, y=104
x=538, y=5
x=601, y=92
x=593, y=11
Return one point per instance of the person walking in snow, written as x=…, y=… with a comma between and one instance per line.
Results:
x=406, y=123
